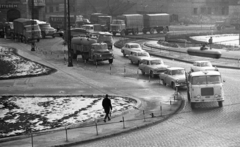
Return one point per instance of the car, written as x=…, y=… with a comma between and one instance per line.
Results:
x=152, y=66
x=203, y=66
x=128, y=48
x=137, y=56
x=174, y=77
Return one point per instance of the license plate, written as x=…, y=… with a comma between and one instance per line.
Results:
x=207, y=96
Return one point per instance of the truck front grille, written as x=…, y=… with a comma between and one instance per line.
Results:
x=207, y=91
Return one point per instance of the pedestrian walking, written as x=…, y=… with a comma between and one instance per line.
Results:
x=107, y=106
x=210, y=41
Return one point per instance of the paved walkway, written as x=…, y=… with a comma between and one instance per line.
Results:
x=77, y=81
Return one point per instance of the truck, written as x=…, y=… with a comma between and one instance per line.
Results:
x=105, y=22
x=46, y=29
x=105, y=37
x=26, y=30
x=90, y=50
x=205, y=86
x=135, y=23
x=233, y=19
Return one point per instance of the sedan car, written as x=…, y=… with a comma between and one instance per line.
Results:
x=174, y=76
x=128, y=48
x=137, y=56
x=203, y=66
x=152, y=66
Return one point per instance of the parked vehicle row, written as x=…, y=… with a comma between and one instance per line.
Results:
x=203, y=82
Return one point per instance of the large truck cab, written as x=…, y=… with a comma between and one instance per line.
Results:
x=205, y=86
x=117, y=26
x=32, y=32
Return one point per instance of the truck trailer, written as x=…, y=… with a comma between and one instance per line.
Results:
x=135, y=23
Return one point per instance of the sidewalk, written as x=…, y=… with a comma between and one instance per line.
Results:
x=77, y=81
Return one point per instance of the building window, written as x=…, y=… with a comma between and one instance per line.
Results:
x=51, y=9
x=216, y=11
x=195, y=11
x=203, y=10
x=209, y=10
x=57, y=8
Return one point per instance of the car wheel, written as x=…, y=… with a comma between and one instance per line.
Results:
x=151, y=74
x=164, y=83
x=110, y=61
x=193, y=105
x=173, y=86
x=143, y=73
x=220, y=103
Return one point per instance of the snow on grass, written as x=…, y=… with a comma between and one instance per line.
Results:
x=224, y=39
x=22, y=67
x=42, y=113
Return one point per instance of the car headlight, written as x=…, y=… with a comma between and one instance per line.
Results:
x=217, y=96
x=197, y=97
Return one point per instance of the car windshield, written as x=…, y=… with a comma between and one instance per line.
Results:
x=210, y=79
x=178, y=72
x=156, y=62
x=205, y=64
x=143, y=54
x=135, y=46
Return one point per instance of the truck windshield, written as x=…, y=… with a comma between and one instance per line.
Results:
x=118, y=22
x=29, y=28
x=99, y=47
x=202, y=80
x=178, y=72
x=45, y=25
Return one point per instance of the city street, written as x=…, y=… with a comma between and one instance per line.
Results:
x=207, y=125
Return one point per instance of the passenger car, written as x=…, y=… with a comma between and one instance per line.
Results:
x=174, y=76
x=203, y=66
x=152, y=66
x=128, y=48
x=137, y=56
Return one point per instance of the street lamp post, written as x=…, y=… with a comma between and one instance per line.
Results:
x=68, y=32
x=32, y=42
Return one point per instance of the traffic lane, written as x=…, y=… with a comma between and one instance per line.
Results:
x=207, y=125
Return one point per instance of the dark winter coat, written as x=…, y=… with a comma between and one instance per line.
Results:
x=106, y=103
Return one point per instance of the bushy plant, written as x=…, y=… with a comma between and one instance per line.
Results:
x=6, y=67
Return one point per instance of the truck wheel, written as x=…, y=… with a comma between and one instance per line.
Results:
x=188, y=96
x=74, y=56
x=152, y=31
x=110, y=61
x=219, y=28
x=192, y=105
x=220, y=104
x=173, y=86
x=122, y=33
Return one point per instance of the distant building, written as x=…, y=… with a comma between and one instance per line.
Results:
x=12, y=9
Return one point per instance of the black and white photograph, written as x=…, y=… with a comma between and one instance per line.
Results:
x=119, y=73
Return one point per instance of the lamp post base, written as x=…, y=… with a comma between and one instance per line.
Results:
x=33, y=46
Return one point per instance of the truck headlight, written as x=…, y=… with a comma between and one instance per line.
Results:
x=217, y=96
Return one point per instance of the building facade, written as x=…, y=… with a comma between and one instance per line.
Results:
x=13, y=9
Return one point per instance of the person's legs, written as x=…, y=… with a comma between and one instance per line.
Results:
x=106, y=114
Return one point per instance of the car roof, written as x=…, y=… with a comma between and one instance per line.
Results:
x=201, y=61
x=174, y=68
x=132, y=43
x=152, y=58
x=201, y=73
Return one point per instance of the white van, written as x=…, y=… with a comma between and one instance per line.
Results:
x=205, y=86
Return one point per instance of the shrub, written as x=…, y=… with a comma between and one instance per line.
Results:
x=6, y=67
